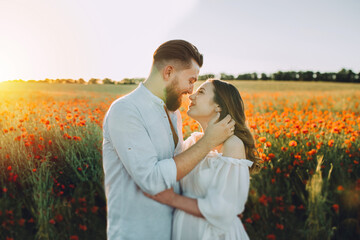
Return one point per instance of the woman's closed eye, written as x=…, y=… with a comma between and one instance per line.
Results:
x=201, y=90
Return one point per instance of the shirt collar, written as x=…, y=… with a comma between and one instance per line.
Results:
x=146, y=92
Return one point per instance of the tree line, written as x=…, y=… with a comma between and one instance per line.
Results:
x=344, y=75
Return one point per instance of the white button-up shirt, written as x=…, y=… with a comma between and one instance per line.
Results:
x=138, y=150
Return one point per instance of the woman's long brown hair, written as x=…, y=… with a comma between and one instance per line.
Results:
x=230, y=102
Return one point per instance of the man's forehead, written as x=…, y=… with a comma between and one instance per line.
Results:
x=195, y=66
x=193, y=72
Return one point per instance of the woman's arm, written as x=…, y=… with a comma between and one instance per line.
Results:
x=186, y=204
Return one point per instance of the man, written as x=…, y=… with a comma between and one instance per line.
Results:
x=142, y=148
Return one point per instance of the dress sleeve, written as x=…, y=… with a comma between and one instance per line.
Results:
x=191, y=140
x=227, y=193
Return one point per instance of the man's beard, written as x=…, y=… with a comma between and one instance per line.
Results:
x=173, y=97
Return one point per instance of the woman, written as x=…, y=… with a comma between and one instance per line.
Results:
x=216, y=190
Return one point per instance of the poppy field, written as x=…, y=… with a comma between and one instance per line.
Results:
x=307, y=134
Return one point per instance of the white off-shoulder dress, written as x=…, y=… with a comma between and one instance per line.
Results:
x=221, y=186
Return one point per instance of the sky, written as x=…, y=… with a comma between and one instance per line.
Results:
x=115, y=39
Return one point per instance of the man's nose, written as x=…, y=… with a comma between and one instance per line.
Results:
x=191, y=89
x=191, y=96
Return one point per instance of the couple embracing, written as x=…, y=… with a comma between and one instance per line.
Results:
x=159, y=186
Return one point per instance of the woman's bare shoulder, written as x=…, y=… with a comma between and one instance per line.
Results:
x=234, y=147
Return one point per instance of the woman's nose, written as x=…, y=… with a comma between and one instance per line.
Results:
x=192, y=96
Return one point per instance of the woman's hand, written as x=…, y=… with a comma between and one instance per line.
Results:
x=165, y=197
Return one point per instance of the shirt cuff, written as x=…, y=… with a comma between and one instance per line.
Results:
x=169, y=172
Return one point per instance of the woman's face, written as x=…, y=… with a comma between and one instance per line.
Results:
x=202, y=106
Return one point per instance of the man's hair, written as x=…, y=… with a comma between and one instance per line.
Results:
x=178, y=50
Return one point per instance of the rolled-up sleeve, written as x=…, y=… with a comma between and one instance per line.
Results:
x=130, y=139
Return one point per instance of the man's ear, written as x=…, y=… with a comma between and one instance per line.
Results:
x=168, y=70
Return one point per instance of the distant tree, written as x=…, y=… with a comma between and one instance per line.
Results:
x=292, y=75
x=352, y=76
x=345, y=76
x=68, y=80
x=224, y=76
x=318, y=76
x=62, y=81
x=254, y=76
x=206, y=76
x=341, y=76
x=287, y=76
x=128, y=81
x=300, y=76
x=264, y=77
x=279, y=75
x=107, y=81
x=131, y=81
x=81, y=81
x=246, y=76
x=329, y=77
x=93, y=81
x=308, y=76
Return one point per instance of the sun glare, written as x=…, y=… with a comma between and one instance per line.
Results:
x=4, y=70
x=2, y=77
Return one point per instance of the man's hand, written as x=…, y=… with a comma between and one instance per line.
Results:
x=165, y=197
x=217, y=132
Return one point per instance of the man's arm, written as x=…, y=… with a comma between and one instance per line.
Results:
x=186, y=204
x=215, y=134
